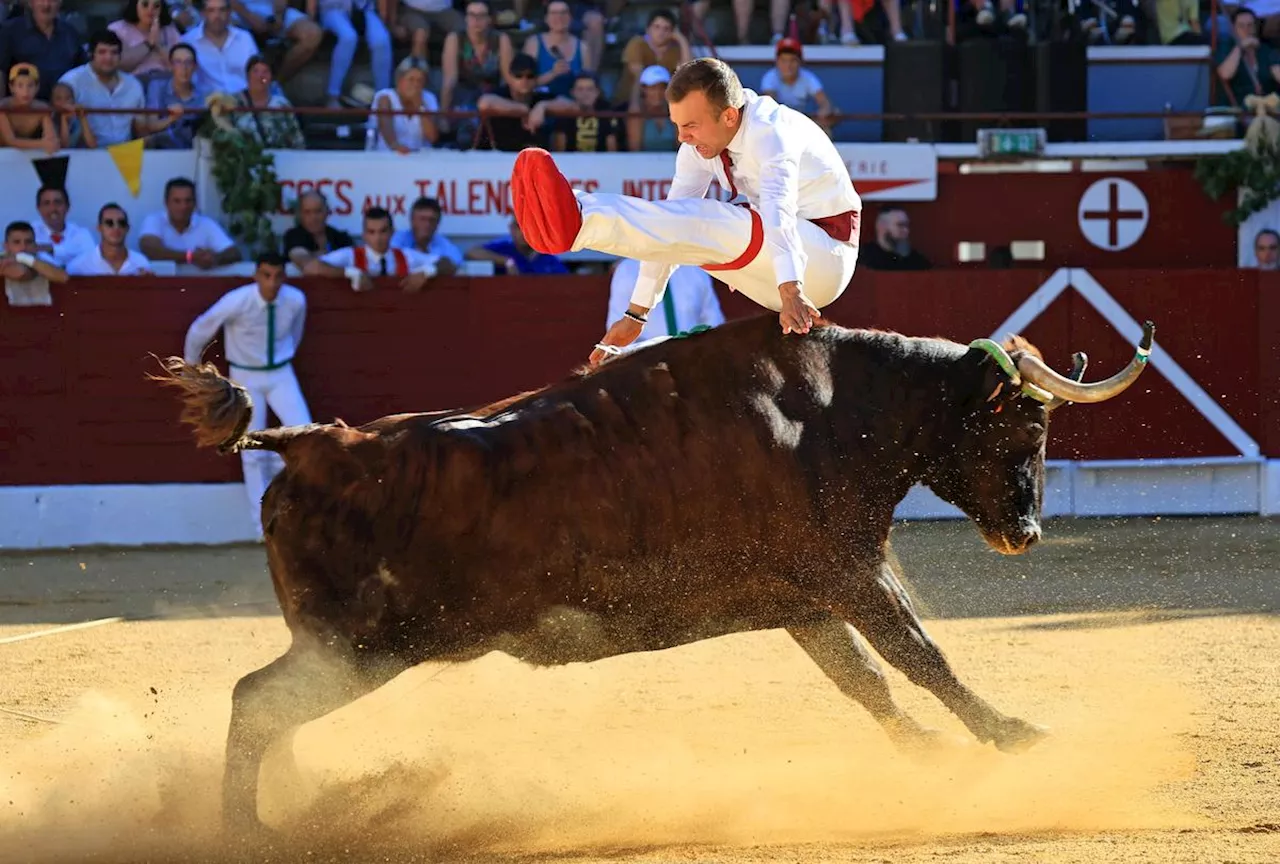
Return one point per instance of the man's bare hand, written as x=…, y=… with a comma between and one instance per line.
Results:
x=798, y=312
x=414, y=282
x=621, y=333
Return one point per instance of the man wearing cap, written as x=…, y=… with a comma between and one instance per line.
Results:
x=793, y=249
x=792, y=84
x=520, y=109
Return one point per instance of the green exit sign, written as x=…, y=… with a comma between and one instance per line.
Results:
x=996, y=143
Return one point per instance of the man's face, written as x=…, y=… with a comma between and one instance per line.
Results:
x=585, y=93
x=20, y=241
x=377, y=235
x=53, y=208
x=424, y=223
x=312, y=213
x=106, y=59
x=183, y=64
x=1245, y=26
x=269, y=278
x=1267, y=250
x=44, y=10
x=180, y=204
x=522, y=84
x=699, y=125
x=216, y=16
x=788, y=66
x=113, y=226
x=659, y=33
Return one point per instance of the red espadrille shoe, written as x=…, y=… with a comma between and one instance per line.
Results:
x=546, y=209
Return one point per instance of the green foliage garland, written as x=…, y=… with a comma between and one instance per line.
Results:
x=1254, y=170
x=246, y=176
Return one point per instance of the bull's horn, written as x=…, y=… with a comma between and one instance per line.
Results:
x=1079, y=362
x=1001, y=356
x=1036, y=372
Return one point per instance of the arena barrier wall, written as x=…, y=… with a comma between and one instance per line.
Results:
x=91, y=453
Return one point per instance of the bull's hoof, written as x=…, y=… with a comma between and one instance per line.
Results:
x=1019, y=736
x=911, y=738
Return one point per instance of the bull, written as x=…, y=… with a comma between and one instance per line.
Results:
x=728, y=481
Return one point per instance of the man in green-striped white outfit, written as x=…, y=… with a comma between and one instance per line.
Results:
x=262, y=326
x=690, y=302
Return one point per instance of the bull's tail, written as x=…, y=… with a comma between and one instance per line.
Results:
x=217, y=408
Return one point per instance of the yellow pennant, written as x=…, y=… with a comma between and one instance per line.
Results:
x=128, y=159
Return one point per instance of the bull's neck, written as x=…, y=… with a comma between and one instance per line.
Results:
x=908, y=404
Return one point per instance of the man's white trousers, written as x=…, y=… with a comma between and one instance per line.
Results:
x=277, y=388
x=702, y=231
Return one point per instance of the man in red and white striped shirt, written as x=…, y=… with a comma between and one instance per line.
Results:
x=375, y=257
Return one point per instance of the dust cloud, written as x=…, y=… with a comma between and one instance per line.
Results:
x=738, y=741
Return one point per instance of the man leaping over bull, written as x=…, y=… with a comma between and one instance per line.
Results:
x=793, y=250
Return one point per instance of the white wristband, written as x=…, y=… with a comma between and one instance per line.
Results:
x=25, y=258
x=353, y=273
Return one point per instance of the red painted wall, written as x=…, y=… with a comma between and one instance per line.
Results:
x=972, y=207
x=74, y=407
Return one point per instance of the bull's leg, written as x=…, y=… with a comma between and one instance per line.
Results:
x=305, y=683
x=878, y=605
x=842, y=656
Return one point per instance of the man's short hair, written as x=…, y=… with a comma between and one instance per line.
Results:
x=1264, y=232
x=111, y=205
x=273, y=259
x=710, y=76
x=104, y=37
x=43, y=189
x=1243, y=10
x=376, y=213
x=14, y=227
x=178, y=183
x=425, y=203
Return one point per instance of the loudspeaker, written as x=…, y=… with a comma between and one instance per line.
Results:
x=1062, y=84
x=915, y=82
x=995, y=75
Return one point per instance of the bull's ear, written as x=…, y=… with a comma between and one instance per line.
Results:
x=990, y=384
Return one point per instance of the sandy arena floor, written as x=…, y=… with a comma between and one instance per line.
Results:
x=1151, y=647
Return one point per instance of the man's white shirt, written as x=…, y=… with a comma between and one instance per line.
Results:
x=73, y=241
x=788, y=169
x=202, y=232
x=222, y=69
x=689, y=290
x=253, y=336
x=93, y=263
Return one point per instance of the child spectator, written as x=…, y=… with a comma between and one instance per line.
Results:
x=653, y=132
x=26, y=131
x=586, y=133
x=793, y=85
x=70, y=120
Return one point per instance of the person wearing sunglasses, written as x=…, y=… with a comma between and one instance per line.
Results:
x=111, y=257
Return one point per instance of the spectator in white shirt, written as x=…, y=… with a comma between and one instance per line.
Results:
x=184, y=236
x=406, y=133
x=690, y=300
x=376, y=257
x=26, y=272
x=100, y=84
x=423, y=235
x=793, y=85
x=262, y=325
x=222, y=51
x=111, y=257
x=61, y=240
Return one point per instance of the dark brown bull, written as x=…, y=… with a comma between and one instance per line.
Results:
x=730, y=481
